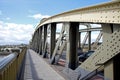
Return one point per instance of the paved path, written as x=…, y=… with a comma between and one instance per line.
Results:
x=37, y=69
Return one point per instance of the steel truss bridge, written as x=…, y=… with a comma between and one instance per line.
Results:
x=106, y=57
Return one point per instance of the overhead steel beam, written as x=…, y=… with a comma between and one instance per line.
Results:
x=103, y=13
x=90, y=29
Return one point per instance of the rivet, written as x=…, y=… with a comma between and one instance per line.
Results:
x=113, y=53
x=113, y=45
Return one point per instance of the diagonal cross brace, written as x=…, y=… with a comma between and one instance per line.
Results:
x=57, y=45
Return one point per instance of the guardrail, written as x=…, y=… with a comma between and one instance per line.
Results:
x=10, y=65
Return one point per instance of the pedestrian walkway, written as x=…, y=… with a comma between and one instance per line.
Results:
x=38, y=69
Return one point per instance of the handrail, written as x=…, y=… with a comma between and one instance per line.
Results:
x=6, y=60
x=12, y=65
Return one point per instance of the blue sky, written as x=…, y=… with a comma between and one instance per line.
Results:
x=26, y=14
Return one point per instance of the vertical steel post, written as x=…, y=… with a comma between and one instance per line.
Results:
x=52, y=38
x=79, y=40
x=44, y=40
x=108, y=67
x=34, y=43
x=72, y=44
x=37, y=39
x=89, y=40
x=40, y=47
x=116, y=59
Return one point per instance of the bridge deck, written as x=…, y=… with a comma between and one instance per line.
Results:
x=38, y=69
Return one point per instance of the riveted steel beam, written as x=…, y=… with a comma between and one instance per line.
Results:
x=103, y=13
x=105, y=52
x=91, y=29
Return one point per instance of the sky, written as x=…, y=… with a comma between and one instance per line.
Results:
x=19, y=18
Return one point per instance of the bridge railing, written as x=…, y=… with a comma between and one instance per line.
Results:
x=10, y=65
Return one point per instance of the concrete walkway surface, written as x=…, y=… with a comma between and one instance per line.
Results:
x=38, y=69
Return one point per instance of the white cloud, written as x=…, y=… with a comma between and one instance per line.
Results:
x=38, y=16
x=12, y=33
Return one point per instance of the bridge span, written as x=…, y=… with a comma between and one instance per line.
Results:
x=105, y=58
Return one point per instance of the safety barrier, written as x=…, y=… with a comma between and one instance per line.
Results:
x=10, y=65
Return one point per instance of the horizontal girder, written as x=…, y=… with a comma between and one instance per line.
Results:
x=103, y=13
